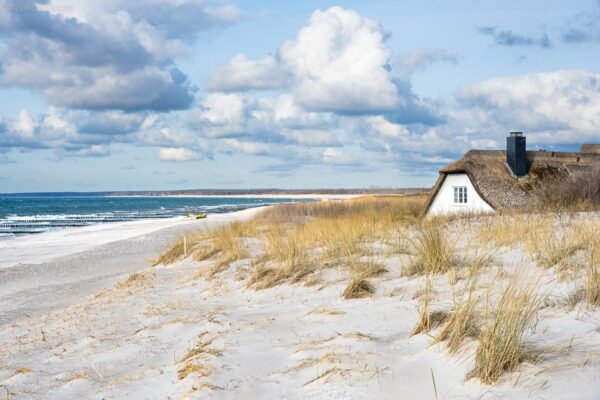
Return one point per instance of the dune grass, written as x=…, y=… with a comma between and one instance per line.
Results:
x=434, y=253
x=301, y=239
x=358, y=287
x=588, y=289
x=501, y=343
x=428, y=318
x=554, y=249
x=137, y=280
x=591, y=287
x=179, y=248
x=463, y=320
x=224, y=245
x=298, y=240
x=300, y=243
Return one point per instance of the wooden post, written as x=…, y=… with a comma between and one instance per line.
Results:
x=185, y=245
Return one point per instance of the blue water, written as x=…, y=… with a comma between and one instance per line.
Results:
x=34, y=214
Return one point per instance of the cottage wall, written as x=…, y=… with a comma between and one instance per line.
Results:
x=443, y=203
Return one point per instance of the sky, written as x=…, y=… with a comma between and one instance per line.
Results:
x=184, y=94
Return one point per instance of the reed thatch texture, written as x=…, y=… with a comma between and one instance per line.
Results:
x=494, y=182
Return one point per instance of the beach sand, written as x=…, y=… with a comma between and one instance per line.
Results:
x=81, y=326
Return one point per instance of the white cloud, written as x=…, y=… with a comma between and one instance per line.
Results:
x=253, y=148
x=178, y=154
x=241, y=73
x=96, y=150
x=400, y=143
x=226, y=115
x=223, y=114
x=337, y=68
x=557, y=107
x=341, y=64
x=224, y=109
x=311, y=137
x=337, y=63
x=24, y=125
x=111, y=54
x=335, y=156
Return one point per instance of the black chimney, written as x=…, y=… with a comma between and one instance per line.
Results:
x=516, y=155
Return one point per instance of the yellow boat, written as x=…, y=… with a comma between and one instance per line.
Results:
x=201, y=215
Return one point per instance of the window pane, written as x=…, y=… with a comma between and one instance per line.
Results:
x=460, y=195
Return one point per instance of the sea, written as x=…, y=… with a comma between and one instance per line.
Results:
x=30, y=214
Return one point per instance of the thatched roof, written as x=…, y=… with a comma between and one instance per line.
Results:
x=590, y=148
x=494, y=182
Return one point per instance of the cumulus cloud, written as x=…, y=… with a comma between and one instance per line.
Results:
x=553, y=108
x=24, y=126
x=560, y=107
x=416, y=110
x=74, y=133
x=337, y=157
x=108, y=122
x=406, y=145
x=235, y=115
x=337, y=63
x=341, y=64
x=223, y=114
x=241, y=74
x=105, y=55
x=337, y=68
x=510, y=39
x=178, y=154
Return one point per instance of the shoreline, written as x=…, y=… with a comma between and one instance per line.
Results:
x=11, y=237
x=67, y=266
x=44, y=246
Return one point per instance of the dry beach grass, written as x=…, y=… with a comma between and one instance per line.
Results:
x=341, y=298
x=305, y=240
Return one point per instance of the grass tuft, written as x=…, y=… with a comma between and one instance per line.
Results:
x=428, y=319
x=224, y=244
x=137, y=280
x=358, y=287
x=433, y=252
x=501, y=343
x=554, y=250
x=591, y=287
x=462, y=321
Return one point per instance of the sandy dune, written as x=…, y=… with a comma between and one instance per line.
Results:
x=166, y=332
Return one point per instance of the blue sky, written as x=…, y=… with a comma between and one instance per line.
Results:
x=118, y=95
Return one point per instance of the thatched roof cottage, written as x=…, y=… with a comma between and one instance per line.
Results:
x=490, y=180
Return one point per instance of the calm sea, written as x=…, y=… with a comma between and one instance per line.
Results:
x=33, y=214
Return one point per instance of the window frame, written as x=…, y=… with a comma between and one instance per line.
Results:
x=460, y=195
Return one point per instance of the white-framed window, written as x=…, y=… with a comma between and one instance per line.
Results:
x=460, y=194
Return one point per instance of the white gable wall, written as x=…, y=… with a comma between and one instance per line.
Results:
x=443, y=203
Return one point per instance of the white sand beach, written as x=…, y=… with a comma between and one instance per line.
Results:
x=76, y=327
